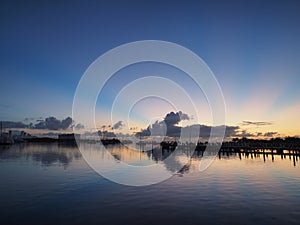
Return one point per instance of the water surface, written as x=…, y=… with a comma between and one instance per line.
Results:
x=52, y=184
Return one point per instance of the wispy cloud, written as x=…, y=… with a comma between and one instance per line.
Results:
x=256, y=123
x=270, y=134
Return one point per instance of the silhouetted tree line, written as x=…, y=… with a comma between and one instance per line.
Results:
x=276, y=142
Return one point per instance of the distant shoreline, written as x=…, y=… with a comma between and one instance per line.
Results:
x=277, y=144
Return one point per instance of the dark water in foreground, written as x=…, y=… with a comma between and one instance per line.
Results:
x=52, y=184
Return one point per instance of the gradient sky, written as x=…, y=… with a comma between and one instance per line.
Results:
x=253, y=48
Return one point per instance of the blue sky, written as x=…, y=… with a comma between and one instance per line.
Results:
x=251, y=46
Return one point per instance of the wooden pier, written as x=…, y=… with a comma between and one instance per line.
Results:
x=236, y=147
x=240, y=149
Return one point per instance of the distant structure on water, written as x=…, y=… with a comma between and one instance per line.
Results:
x=4, y=137
x=12, y=136
x=68, y=137
x=113, y=141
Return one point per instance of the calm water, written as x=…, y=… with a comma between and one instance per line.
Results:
x=52, y=184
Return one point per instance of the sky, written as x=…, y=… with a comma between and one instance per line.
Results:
x=252, y=47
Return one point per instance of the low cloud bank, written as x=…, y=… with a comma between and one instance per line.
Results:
x=50, y=123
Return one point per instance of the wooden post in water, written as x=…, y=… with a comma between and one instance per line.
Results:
x=294, y=159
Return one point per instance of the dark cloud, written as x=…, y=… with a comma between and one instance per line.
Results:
x=27, y=119
x=231, y=130
x=32, y=120
x=11, y=124
x=156, y=129
x=79, y=126
x=205, y=131
x=171, y=119
x=106, y=134
x=92, y=134
x=51, y=123
x=66, y=123
x=244, y=133
x=183, y=116
x=259, y=134
x=145, y=132
x=169, y=127
x=260, y=123
x=118, y=125
x=40, y=125
x=270, y=134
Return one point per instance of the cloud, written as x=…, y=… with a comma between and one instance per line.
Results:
x=106, y=134
x=145, y=132
x=260, y=123
x=51, y=123
x=171, y=119
x=169, y=127
x=244, y=133
x=32, y=120
x=90, y=134
x=259, y=134
x=11, y=124
x=79, y=126
x=270, y=134
x=118, y=125
x=205, y=131
x=231, y=130
x=184, y=116
x=66, y=123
